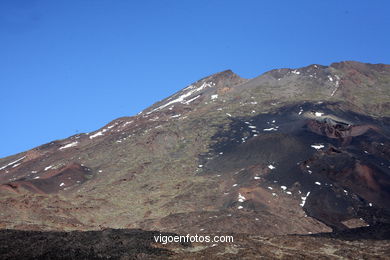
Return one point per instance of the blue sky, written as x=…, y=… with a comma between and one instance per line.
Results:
x=72, y=66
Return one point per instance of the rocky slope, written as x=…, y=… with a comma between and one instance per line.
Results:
x=293, y=151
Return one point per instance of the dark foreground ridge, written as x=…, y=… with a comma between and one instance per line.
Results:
x=376, y=232
x=106, y=244
x=139, y=244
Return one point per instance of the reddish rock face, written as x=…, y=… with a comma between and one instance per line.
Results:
x=51, y=181
x=332, y=129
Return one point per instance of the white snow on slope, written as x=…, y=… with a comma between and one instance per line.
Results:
x=271, y=167
x=126, y=123
x=270, y=129
x=182, y=97
x=192, y=99
x=11, y=163
x=96, y=135
x=300, y=110
x=16, y=165
x=317, y=146
x=241, y=198
x=48, y=167
x=68, y=145
x=337, y=85
x=304, y=199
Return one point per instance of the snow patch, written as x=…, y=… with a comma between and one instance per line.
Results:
x=16, y=165
x=270, y=129
x=241, y=198
x=271, y=167
x=304, y=199
x=317, y=146
x=192, y=99
x=48, y=167
x=69, y=145
x=300, y=111
x=11, y=163
x=337, y=85
x=126, y=123
x=214, y=96
x=96, y=135
x=182, y=97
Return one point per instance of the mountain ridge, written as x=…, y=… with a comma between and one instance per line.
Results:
x=296, y=157
x=160, y=158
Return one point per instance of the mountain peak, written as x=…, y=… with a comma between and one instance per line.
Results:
x=205, y=88
x=222, y=78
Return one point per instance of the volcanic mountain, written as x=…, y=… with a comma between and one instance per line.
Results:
x=293, y=151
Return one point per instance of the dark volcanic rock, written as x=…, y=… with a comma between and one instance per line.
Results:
x=335, y=179
x=106, y=244
x=368, y=243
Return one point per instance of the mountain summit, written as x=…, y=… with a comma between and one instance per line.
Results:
x=293, y=151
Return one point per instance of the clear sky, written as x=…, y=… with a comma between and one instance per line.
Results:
x=71, y=66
